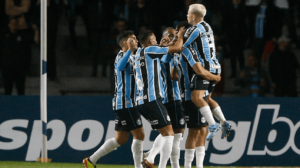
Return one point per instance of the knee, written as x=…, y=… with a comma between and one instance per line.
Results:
x=194, y=132
x=140, y=135
x=166, y=131
x=121, y=141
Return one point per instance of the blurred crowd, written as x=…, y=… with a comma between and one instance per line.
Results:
x=238, y=25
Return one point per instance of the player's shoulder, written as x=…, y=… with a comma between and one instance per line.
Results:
x=190, y=31
x=120, y=55
x=154, y=48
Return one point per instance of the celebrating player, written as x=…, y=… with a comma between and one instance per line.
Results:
x=200, y=38
x=149, y=94
x=128, y=118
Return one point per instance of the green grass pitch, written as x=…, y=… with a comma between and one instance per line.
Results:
x=14, y=164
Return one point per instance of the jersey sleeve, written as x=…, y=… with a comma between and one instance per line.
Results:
x=191, y=56
x=156, y=51
x=122, y=62
x=190, y=35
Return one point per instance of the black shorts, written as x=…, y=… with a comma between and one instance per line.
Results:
x=176, y=113
x=127, y=119
x=198, y=83
x=156, y=113
x=193, y=117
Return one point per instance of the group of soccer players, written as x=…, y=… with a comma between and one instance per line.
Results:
x=170, y=85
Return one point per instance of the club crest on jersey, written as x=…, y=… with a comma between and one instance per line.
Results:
x=203, y=120
x=138, y=121
x=181, y=121
x=145, y=97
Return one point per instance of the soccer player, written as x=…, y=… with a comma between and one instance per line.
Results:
x=188, y=64
x=200, y=38
x=149, y=94
x=172, y=102
x=128, y=118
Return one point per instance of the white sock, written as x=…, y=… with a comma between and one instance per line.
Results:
x=157, y=145
x=137, y=152
x=106, y=148
x=166, y=151
x=175, y=155
x=219, y=114
x=200, y=153
x=188, y=157
x=205, y=111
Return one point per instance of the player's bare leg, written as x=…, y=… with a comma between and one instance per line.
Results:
x=197, y=99
x=216, y=110
x=200, y=147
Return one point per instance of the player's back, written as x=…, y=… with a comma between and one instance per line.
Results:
x=201, y=38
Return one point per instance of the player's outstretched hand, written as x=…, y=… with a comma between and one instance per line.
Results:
x=164, y=41
x=132, y=44
x=181, y=31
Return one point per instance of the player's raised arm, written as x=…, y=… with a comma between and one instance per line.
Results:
x=177, y=47
x=128, y=43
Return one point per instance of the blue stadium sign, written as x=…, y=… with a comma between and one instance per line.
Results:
x=266, y=131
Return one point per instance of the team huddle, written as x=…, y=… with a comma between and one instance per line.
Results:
x=170, y=85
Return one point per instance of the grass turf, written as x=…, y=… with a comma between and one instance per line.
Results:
x=13, y=164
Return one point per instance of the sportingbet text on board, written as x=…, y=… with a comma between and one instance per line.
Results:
x=266, y=131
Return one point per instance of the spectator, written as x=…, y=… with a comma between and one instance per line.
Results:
x=252, y=80
x=267, y=26
x=15, y=58
x=18, y=9
x=234, y=25
x=252, y=7
x=288, y=17
x=73, y=9
x=283, y=65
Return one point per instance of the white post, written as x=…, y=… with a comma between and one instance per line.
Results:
x=43, y=95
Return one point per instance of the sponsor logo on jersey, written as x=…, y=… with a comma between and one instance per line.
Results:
x=205, y=82
x=123, y=122
x=116, y=121
x=154, y=122
x=187, y=118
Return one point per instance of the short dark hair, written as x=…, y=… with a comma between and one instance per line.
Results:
x=183, y=24
x=124, y=36
x=144, y=35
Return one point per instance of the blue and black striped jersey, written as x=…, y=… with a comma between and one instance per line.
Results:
x=171, y=87
x=201, y=38
x=147, y=70
x=124, y=81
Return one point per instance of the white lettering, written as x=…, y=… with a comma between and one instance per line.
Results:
x=237, y=145
x=95, y=136
x=18, y=138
